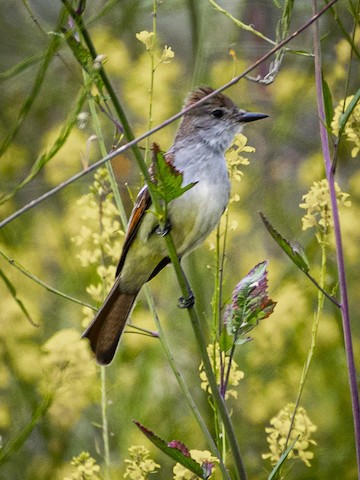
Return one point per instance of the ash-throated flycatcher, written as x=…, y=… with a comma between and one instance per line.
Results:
x=204, y=135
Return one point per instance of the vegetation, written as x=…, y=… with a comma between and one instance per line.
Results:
x=80, y=80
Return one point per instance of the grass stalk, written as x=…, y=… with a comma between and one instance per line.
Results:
x=344, y=308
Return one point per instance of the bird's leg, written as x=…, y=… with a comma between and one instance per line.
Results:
x=189, y=301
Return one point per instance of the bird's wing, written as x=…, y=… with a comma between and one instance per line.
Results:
x=141, y=205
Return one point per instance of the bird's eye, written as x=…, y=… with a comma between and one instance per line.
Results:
x=218, y=113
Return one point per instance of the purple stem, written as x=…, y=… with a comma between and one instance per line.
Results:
x=344, y=307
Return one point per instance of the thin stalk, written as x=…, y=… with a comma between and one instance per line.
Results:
x=201, y=343
x=102, y=146
x=113, y=96
x=320, y=305
x=345, y=313
x=218, y=399
x=48, y=287
x=241, y=24
x=195, y=411
x=104, y=423
x=152, y=78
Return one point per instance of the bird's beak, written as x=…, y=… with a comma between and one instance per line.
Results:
x=251, y=116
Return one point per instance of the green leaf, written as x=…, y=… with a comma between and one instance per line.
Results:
x=275, y=473
x=329, y=109
x=46, y=156
x=17, y=440
x=13, y=293
x=35, y=89
x=85, y=59
x=302, y=53
x=345, y=116
x=250, y=304
x=293, y=250
x=167, y=179
x=21, y=66
x=225, y=341
x=175, y=450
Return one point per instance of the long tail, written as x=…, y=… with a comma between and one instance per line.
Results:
x=105, y=330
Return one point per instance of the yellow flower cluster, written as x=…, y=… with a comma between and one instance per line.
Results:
x=85, y=468
x=68, y=370
x=200, y=456
x=234, y=156
x=302, y=430
x=318, y=207
x=352, y=127
x=100, y=236
x=218, y=358
x=139, y=465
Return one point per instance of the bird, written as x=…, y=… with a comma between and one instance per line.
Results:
x=198, y=153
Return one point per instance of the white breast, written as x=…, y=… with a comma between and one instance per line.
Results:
x=197, y=212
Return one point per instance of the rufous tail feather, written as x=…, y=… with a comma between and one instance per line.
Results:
x=105, y=330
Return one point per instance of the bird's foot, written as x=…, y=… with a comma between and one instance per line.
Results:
x=162, y=231
x=187, y=302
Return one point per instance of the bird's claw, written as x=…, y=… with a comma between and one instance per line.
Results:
x=162, y=231
x=187, y=302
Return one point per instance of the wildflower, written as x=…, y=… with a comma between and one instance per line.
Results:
x=82, y=119
x=147, y=38
x=98, y=62
x=203, y=457
x=301, y=431
x=85, y=468
x=167, y=55
x=99, y=236
x=139, y=465
x=318, y=206
x=234, y=158
x=352, y=127
x=235, y=374
x=69, y=370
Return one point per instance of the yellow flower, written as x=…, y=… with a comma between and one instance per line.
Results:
x=203, y=457
x=139, y=465
x=318, y=207
x=70, y=371
x=352, y=127
x=99, y=236
x=85, y=468
x=147, y=38
x=234, y=158
x=167, y=55
x=302, y=430
x=235, y=374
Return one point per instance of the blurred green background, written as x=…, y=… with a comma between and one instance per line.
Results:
x=140, y=384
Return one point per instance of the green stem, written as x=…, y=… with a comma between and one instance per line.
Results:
x=195, y=411
x=200, y=339
x=113, y=184
x=37, y=280
x=104, y=423
x=113, y=96
x=241, y=24
x=320, y=305
x=152, y=77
